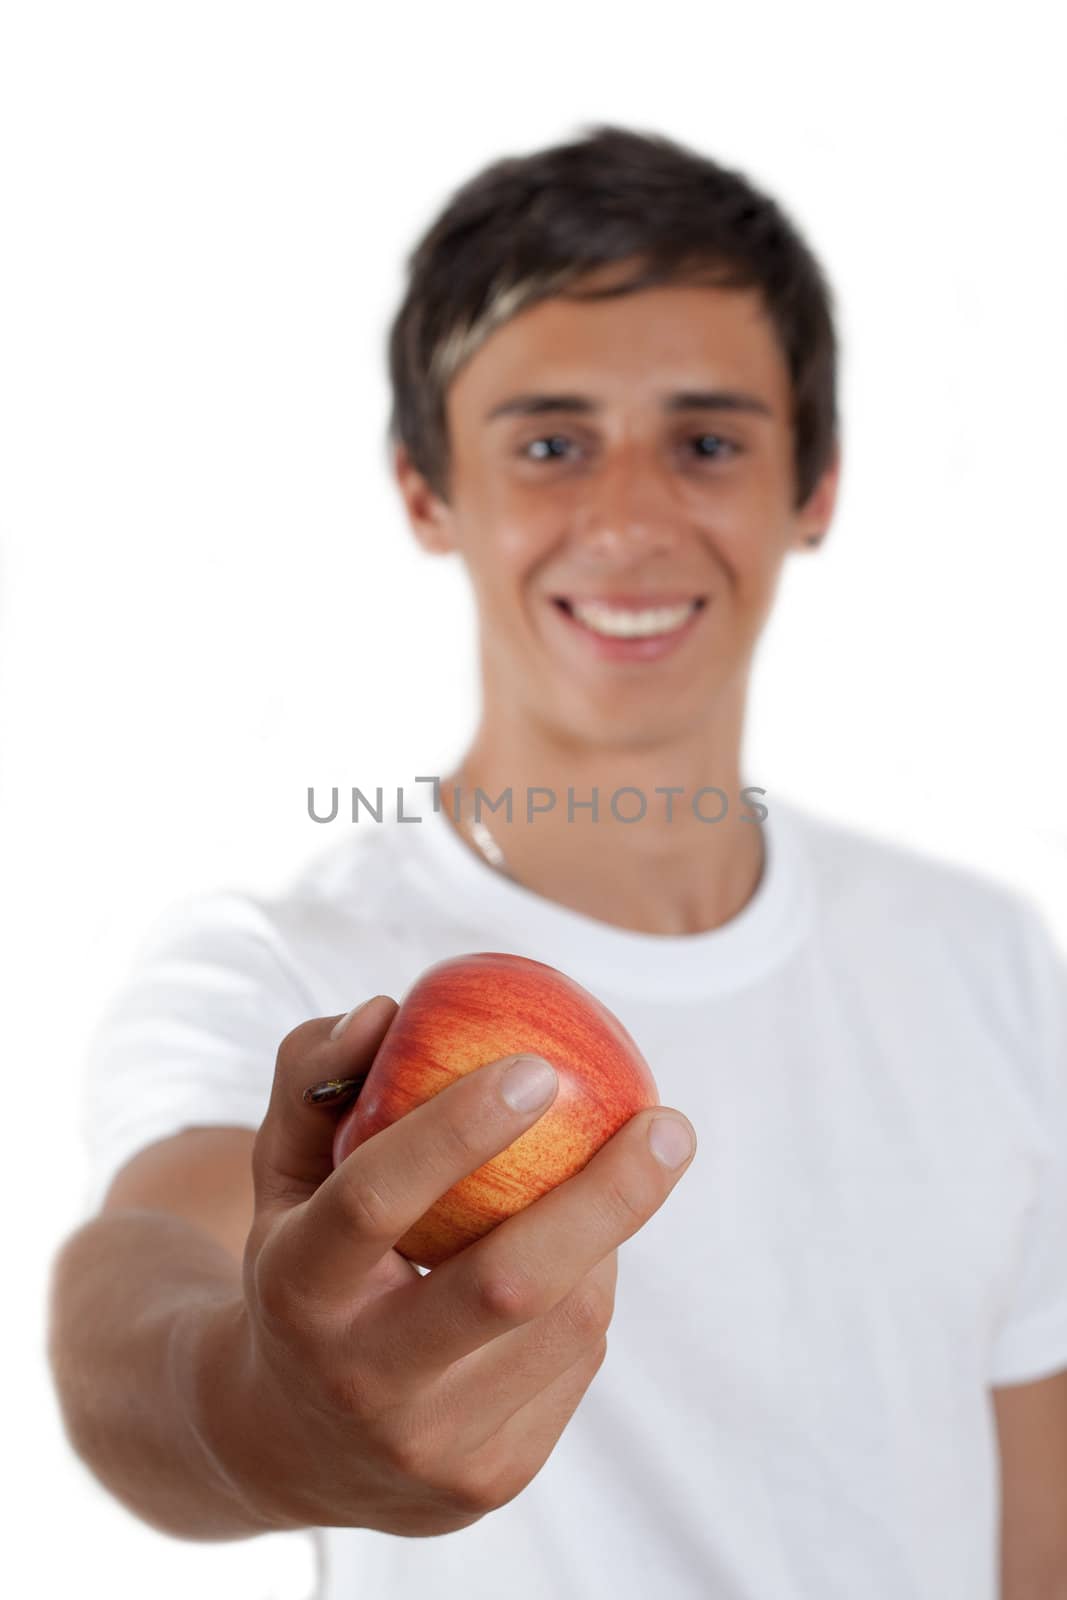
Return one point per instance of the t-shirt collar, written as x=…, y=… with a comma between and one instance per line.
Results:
x=505, y=915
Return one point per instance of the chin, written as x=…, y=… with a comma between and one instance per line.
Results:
x=616, y=723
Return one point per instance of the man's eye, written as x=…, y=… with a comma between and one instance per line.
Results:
x=537, y=447
x=716, y=440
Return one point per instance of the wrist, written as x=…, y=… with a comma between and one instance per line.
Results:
x=230, y=1424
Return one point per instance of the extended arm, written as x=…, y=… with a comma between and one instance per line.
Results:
x=145, y=1306
x=1032, y=1428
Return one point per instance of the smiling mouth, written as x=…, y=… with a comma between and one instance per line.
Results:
x=614, y=621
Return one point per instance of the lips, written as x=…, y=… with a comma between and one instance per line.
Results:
x=633, y=620
x=646, y=601
x=633, y=629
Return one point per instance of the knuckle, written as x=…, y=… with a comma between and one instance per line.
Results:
x=269, y=1185
x=475, y=1491
x=495, y=1478
x=590, y=1311
x=343, y=1390
x=458, y=1143
x=366, y=1208
x=295, y=1045
x=405, y=1452
x=501, y=1296
x=623, y=1203
x=274, y=1294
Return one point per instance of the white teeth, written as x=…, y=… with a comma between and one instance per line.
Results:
x=618, y=624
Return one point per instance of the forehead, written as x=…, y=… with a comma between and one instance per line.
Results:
x=628, y=346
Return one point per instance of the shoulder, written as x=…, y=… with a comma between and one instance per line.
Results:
x=349, y=883
x=961, y=931
x=859, y=869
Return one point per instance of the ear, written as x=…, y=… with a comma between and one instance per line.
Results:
x=430, y=518
x=814, y=517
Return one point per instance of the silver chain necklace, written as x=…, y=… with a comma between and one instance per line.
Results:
x=484, y=842
x=489, y=848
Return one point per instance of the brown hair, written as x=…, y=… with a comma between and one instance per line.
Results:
x=524, y=227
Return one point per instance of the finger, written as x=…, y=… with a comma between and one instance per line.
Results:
x=519, y=1448
x=528, y=1262
x=478, y=1395
x=391, y=1180
x=293, y=1150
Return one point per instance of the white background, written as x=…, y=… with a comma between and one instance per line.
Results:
x=209, y=598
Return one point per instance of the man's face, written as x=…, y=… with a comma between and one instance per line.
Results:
x=623, y=533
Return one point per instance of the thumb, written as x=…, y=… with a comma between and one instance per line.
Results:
x=316, y=1076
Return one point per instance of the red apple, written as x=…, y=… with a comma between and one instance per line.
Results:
x=465, y=1012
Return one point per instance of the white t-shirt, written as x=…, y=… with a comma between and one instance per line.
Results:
x=795, y=1399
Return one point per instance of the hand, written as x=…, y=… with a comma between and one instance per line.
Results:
x=373, y=1396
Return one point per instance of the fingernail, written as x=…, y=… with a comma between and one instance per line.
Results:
x=332, y=1089
x=339, y=1027
x=670, y=1141
x=528, y=1083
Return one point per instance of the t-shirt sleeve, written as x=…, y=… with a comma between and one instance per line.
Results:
x=191, y=1035
x=1031, y=1341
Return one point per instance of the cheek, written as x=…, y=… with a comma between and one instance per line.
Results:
x=750, y=537
x=519, y=543
x=743, y=551
x=502, y=559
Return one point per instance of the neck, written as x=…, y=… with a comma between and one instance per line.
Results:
x=665, y=873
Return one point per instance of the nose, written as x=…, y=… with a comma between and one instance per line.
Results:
x=626, y=510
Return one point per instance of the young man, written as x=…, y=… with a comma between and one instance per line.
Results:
x=835, y=1363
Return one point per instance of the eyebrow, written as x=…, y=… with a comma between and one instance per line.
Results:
x=532, y=405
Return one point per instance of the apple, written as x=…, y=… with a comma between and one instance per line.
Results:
x=464, y=1012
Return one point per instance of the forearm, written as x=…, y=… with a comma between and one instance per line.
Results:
x=145, y=1314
